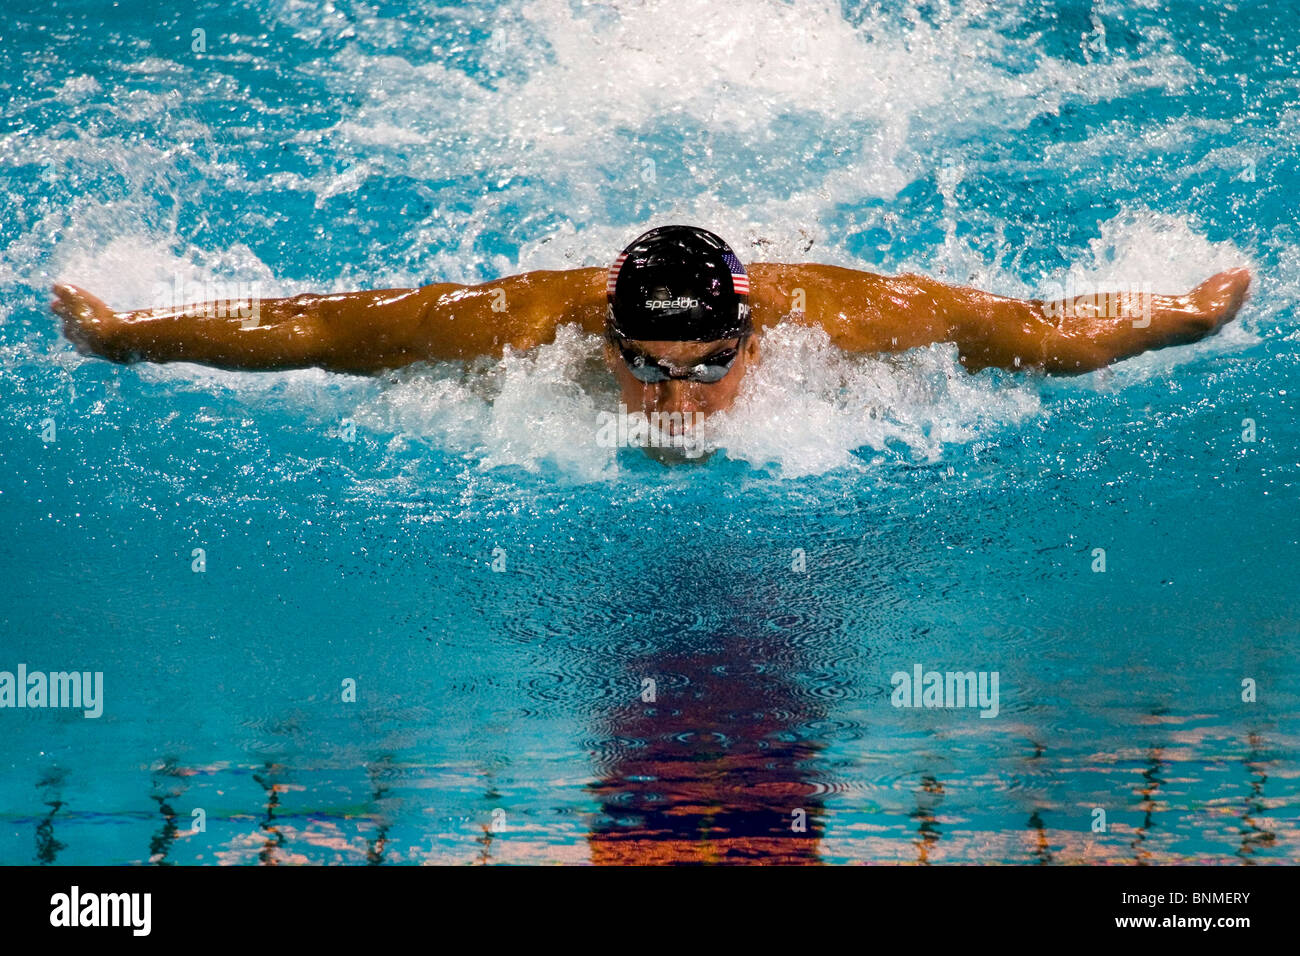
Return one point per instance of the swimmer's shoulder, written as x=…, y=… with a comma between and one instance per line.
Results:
x=809, y=292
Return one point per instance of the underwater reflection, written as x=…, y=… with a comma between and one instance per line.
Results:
x=715, y=768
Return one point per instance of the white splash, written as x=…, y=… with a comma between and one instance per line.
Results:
x=578, y=126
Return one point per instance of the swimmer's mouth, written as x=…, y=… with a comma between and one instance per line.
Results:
x=678, y=424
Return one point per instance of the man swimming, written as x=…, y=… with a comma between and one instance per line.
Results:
x=679, y=314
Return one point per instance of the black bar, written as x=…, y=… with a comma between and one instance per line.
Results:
x=335, y=904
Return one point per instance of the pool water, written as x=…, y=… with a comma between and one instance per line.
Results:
x=563, y=652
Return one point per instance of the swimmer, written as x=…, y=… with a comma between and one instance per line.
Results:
x=679, y=313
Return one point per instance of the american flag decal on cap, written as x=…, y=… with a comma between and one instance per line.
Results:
x=611, y=280
x=739, y=280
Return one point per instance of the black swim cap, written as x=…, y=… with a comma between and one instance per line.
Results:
x=678, y=284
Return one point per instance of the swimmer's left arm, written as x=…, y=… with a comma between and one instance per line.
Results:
x=1084, y=333
x=866, y=312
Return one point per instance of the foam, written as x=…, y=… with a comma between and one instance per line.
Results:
x=127, y=269
x=525, y=410
x=583, y=95
x=809, y=408
x=761, y=123
x=806, y=409
x=1141, y=246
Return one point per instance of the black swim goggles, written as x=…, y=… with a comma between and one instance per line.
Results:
x=708, y=370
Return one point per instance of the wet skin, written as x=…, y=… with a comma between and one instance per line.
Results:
x=862, y=312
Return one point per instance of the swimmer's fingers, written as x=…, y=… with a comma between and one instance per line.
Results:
x=1219, y=298
x=72, y=302
x=87, y=320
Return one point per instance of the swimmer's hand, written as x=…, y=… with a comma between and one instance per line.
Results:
x=1216, y=301
x=88, y=322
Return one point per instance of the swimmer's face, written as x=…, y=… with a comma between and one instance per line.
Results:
x=680, y=395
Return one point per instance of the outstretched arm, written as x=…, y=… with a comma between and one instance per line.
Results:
x=865, y=312
x=346, y=332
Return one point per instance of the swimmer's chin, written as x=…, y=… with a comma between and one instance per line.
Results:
x=678, y=454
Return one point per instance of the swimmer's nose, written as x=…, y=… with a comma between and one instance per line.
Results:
x=675, y=397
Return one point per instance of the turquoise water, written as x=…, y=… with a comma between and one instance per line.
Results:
x=943, y=519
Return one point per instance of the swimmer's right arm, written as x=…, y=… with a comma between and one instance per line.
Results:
x=359, y=332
